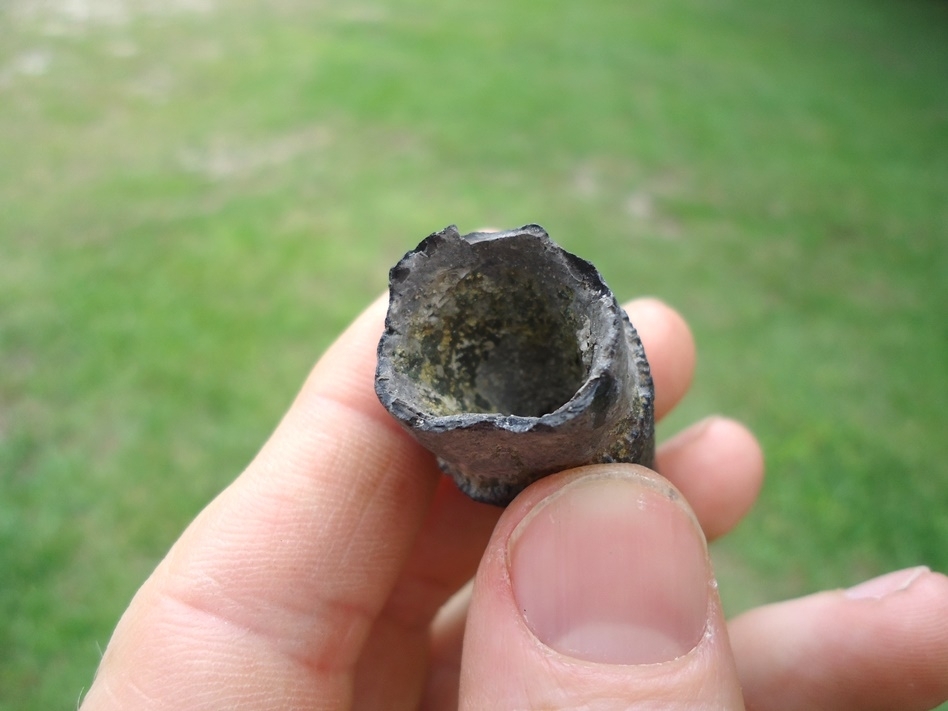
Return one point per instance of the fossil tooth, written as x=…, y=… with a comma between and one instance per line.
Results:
x=510, y=359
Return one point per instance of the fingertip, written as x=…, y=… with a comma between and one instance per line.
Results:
x=736, y=447
x=719, y=467
x=358, y=342
x=669, y=347
x=595, y=585
x=882, y=644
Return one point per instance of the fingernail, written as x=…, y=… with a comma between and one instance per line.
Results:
x=612, y=568
x=884, y=585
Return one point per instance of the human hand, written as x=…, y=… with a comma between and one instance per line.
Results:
x=315, y=580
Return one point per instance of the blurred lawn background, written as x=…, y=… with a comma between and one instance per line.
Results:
x=196, y=197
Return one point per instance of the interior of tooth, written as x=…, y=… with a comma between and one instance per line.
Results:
x=498, y=339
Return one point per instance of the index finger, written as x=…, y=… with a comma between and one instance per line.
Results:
x=285, y=572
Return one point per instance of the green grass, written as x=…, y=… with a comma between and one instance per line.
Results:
x=193, y=202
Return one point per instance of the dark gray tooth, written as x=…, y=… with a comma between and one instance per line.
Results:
x=510, y=359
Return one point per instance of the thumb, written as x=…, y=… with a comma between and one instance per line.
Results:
x=596, y=591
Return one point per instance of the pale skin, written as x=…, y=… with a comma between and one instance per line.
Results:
x=315, y=580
